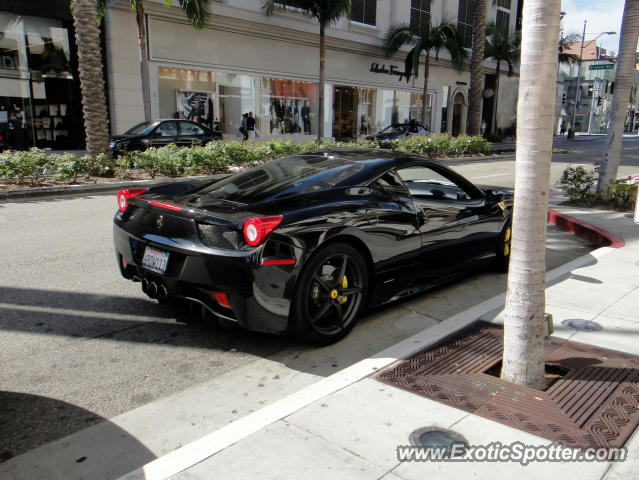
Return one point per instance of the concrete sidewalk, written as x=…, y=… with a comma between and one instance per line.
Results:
x=349, y=425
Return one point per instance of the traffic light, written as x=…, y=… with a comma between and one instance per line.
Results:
x=599, y=102
x=563, y=99
x=612, y=88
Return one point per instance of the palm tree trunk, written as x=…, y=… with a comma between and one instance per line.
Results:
x=144, y=61
x=425, y=100
x=94, y=110
x=523, y=361
x=623, y=82
x=493, y=122
x=475, y=92
x=320, y=107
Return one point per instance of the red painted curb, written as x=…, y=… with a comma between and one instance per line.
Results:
x=585, y=230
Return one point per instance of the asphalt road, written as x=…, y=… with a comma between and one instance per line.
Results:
x=79, y=344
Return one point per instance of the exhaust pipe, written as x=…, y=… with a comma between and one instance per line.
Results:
x=145, y=285
x=153, y=290
x=163, y=292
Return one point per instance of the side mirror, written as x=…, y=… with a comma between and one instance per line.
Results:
x=494, y=196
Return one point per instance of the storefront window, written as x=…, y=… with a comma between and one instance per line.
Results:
x=288, y=106
x=37, y=91
x=219, y=100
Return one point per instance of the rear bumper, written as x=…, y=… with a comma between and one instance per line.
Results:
x=259, y=296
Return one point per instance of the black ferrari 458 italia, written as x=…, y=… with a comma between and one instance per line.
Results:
x=305, y=243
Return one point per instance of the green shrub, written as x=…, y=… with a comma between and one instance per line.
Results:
x=619, y=195
x=577, y=184
x=28, y=166
x=69, y=166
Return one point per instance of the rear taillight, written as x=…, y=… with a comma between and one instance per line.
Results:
x=166, y=205
x=257, y=229
x=124, y=195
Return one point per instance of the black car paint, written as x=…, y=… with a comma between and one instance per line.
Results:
x=409, y=244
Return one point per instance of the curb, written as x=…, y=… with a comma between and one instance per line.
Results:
x=585, y=230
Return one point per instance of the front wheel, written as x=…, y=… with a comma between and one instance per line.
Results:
x=331, y=292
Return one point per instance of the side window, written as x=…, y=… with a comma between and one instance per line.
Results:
x=389, y=182
x=187, y=128
x=424, y=182
x=167, y=129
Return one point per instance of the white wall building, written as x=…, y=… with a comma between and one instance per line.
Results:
x=248, y=61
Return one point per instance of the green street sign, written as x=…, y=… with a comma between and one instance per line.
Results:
x=602, y=66
x=597, y=79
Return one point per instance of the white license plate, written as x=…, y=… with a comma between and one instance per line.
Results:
x=155, y=260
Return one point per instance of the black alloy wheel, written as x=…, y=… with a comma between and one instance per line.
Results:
x=331, y=292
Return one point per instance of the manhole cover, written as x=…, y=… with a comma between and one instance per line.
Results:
x=439, y=438
x=582, y=325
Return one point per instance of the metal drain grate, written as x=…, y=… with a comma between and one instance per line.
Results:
x=595, y=404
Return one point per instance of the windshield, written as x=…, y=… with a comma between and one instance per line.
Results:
x=394, y=129
x=141, y=128
x=283, y=177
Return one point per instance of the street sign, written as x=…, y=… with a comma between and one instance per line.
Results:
x=602, y=66
x=597, y=79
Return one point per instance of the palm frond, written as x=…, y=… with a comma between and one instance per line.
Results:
x=397, y=36
x=197, y=11
x=324, y=11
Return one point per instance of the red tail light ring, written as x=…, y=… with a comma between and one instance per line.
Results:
x=258, y=228
x=124, y=195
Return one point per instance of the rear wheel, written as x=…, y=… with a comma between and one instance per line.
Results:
x=330, y=294
x=503, y=247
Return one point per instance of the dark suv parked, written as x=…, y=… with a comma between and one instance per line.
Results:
x=160, y=133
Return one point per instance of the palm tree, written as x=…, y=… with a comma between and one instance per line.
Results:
x=197, y=11
x=475, y=91
x=623, y=82
x=564, y=44
x=87, y=35
x=503, y=47
x=523, y=360
x=325, y=12
x=433, y=37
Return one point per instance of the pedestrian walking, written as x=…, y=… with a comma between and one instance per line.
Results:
x=562, y=128
x=243, y=126
x=250, y=127
x=483, y=127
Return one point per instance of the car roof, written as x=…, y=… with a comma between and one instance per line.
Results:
x=373, y=159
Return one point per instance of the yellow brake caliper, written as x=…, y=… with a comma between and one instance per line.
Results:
x=506, y=238
x=344, y=285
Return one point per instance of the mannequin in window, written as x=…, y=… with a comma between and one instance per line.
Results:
x=306, y=117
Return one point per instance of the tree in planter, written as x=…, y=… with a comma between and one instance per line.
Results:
x=503, y=47
x=325, y=12
x=442, y=36
x=475, y=90
x=523, y=360
x=91, y=77
x=623, y=82
x=197, y=12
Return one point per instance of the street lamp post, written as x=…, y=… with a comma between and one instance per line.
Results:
x=571, y=131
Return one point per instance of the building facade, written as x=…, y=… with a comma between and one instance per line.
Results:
x=39, y=94
x=246, y=61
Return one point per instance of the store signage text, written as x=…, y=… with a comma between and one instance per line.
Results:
x=602, y=66
x=390, y=70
